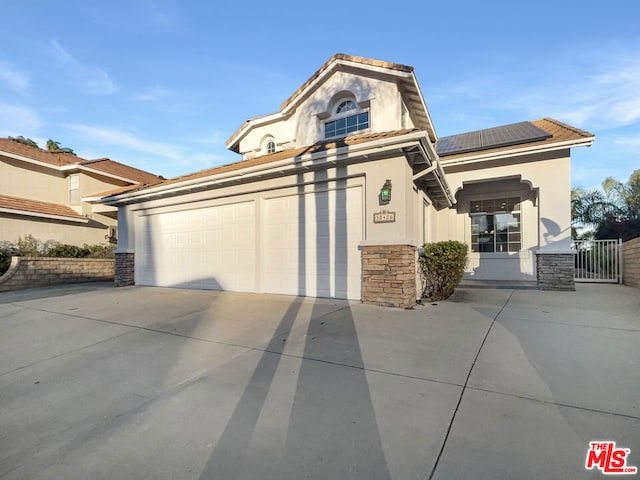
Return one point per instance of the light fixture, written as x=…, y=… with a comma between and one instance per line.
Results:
x=385, y=193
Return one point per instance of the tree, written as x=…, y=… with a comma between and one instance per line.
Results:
x=54, y=146
x=24, y=141
x=613, y=212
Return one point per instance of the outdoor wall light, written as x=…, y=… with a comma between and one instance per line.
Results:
x=385, y=193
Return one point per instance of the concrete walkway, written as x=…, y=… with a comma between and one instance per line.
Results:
x=155, y=383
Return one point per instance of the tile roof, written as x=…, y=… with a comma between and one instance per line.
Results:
x=117, y=191
x=58, y=159
x=35, y=206
x=112, y=167
x=53, y=158
x=560, y=132
x=281, y=155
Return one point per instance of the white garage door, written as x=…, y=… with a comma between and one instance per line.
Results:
x=311, y=244
x=211, y=247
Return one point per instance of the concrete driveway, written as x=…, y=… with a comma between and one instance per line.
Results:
x=153, y=383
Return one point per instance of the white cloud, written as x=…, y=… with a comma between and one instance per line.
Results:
x=15, y=79
x=18, y=120
x=154, y=94
x=601, y=91
x=89, y=77
x=124, y=140
x=630, y=141
x=609, y=98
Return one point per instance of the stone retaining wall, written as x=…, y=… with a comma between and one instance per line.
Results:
x=27, y=272
x=631, y=263
x=389, y=275
x=556, y=271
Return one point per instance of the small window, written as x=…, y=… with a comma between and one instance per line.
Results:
x=495, y=225
x=271, y=146
x=74, y=188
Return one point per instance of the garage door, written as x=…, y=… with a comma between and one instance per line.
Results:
x=311, y=244
x=211, y=248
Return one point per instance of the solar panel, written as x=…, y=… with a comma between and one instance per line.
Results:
x=514, y=134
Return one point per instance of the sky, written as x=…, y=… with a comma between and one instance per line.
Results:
x=161, y=85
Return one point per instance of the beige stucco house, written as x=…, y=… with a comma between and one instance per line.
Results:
x=53, y=195
x=336, y=191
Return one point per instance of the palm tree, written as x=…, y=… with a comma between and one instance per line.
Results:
x=613, y=212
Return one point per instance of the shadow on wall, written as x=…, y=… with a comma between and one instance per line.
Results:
x=553, y=234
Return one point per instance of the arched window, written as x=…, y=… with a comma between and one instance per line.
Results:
x=271, y=146
x=345, y=106
x=268, y=144
x=347, y=118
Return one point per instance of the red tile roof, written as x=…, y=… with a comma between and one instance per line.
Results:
x=35, y=206
x=112, y=167
x=53, y=158
x=58, y=159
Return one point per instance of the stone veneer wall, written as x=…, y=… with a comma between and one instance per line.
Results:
x=125, y=263
x=631, y=263
x=389, y=275
x=27, y=272
x=556, y=271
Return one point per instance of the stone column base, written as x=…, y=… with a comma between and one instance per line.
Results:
x=124, y=274
x=389, y=275
x=556, y=271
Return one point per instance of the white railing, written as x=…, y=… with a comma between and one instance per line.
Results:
x=598, y=261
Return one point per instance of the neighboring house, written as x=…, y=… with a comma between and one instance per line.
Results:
x=336, y=190
x=53, y=195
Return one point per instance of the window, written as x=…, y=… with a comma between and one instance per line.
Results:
x=268, y=144
x=271, y=146
x=346, y=106
x=348, y=118
x=495, y=225
x=74, y=188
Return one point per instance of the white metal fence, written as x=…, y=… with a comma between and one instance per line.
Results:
x=598, y=261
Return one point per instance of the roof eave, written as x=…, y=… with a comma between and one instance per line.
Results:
x=43, y=215
x=285, y=166
x=22, y=158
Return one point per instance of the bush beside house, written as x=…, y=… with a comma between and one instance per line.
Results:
x=441, y=266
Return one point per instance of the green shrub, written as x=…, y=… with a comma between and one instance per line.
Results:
x=103, y=250
x=67, y=251
x=29, y=246
x=441, y=268
x=6, y=252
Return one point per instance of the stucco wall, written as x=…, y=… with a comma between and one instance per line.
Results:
x=631, y=262
x=27, y=272
x=542, y=181
x=371, y=175
x=32, y=181
x=12, y=227
x=305, y=127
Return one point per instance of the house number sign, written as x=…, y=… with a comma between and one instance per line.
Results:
x=384, y=217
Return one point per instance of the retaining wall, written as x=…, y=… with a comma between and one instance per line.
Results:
x=27, y=272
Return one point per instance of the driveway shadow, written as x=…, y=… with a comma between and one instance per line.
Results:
x=332, y=429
